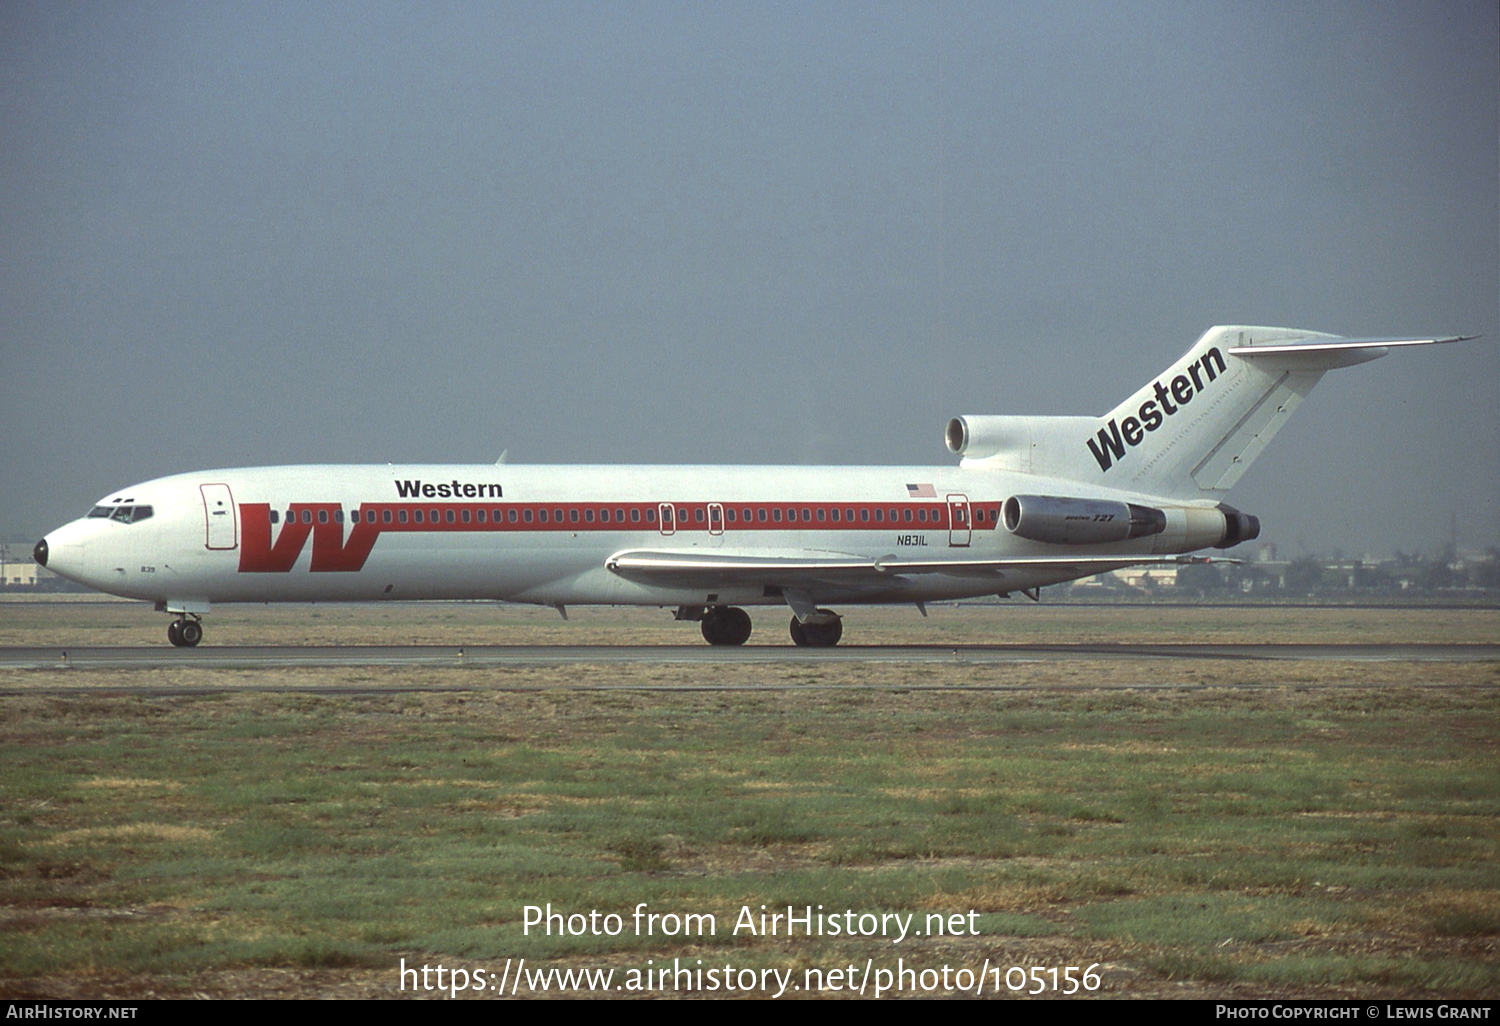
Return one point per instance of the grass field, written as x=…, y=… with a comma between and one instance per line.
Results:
x=1248, y=830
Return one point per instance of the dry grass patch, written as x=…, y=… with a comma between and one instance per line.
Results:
x=134, y=832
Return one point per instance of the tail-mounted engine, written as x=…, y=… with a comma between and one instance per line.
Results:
x=1057, y=520
x=1048, y=518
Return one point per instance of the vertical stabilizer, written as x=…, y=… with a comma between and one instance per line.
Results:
x=1189, y=434
x=1195, y=429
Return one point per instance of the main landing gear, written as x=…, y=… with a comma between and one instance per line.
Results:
x=726, y=625
x=821, y=633
x=186, y=631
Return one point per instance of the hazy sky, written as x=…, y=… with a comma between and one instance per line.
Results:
x=250, y=233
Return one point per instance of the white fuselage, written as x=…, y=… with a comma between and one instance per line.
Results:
x=545, y=534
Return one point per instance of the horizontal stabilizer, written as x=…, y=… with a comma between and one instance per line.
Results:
x=1346, y=343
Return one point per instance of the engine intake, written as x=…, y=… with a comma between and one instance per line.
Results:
x=1063, y=521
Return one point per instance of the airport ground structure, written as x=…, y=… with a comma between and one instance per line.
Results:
x=1452, y=574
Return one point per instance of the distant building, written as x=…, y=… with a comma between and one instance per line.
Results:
x=17, y=572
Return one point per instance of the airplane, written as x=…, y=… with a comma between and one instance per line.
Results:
x=1033, y=501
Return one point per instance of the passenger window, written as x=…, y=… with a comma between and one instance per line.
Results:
x=401, y=515
x=635, y=515
x=417, y=515
x=650, y=516
x=864, y=514
x=448, y=515
x=275, y=517
x=338, y=516
x=307, y=516
x=322, y=516
x=528, y=516
x=760, y=515
x=807, y=516
x=463, y=515
x=619, y=516
x=588, y=516
x=922, y=515
x=510, y=515
x=698, y=515
x=604, y=516
x=557, y=515
x=573, y=516
x=907, y=511
x=541, y=515
x=479, y=515
x=291, y=516
x=776, y=515
x=835, y=514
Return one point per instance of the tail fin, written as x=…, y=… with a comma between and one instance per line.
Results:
x=1193, y=431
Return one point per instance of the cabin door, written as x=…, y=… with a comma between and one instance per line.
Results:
x=959, y=528
x=221, y=524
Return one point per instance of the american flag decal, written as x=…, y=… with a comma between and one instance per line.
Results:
x=920, y=491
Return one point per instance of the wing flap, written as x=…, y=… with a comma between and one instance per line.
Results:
x=806, y=567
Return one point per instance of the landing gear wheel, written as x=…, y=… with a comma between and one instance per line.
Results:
x=726, y=625
x=184, y=633
x=817, y=635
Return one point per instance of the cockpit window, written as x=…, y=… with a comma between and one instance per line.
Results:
x=123, y=514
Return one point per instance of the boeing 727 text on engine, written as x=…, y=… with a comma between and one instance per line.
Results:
x=1033, y=501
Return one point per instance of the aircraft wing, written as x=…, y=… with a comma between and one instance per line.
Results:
x=806, y=567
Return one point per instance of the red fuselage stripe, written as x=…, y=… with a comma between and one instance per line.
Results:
x=324, y=521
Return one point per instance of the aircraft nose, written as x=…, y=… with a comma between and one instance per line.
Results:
x=39, y=552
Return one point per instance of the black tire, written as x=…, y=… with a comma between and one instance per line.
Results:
x=799, y=632
x=174, y=633
x=736, y=626
x=191, y=632
x=823, y=635
x=726, y=625
x=713, y=628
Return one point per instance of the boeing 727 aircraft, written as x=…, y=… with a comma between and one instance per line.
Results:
x=1033, y=501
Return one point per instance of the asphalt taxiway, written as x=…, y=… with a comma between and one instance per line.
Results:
x=269, y=656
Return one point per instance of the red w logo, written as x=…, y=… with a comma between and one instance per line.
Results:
x=330, y=553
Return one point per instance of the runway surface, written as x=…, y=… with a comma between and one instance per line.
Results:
x=257, y=656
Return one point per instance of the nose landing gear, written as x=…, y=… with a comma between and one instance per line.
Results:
x=186, y=631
